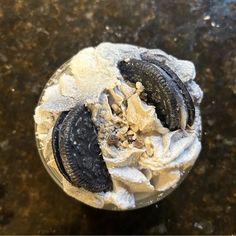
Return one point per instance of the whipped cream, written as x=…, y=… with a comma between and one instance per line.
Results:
x=146, y=160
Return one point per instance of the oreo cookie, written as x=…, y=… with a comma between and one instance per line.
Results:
x=77, y=151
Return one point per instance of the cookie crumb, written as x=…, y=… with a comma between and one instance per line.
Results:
x=125, y=144
x=116, y=108
x=113, y=140
x=138, y=143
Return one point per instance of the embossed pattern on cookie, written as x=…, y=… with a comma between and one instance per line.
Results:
x=80, y=153
x=164, y=90
x=187, y=97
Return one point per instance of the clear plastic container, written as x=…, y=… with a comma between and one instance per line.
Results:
x=142, y=200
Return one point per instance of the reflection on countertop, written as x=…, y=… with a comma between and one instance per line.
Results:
x=38, y=36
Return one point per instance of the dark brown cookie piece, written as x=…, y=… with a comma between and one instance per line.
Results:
x=162, y=91
x=80, y=152
x=55, y=144
x=187, y=97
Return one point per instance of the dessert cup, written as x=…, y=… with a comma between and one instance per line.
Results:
x=163, y=180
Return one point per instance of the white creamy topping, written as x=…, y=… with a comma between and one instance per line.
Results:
x=146, y=158
x=134, y=179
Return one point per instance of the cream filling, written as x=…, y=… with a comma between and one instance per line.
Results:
x=142, y=156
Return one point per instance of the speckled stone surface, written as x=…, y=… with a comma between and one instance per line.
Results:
x=36, y=37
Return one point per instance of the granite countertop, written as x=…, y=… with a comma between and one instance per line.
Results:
x=38, y=36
